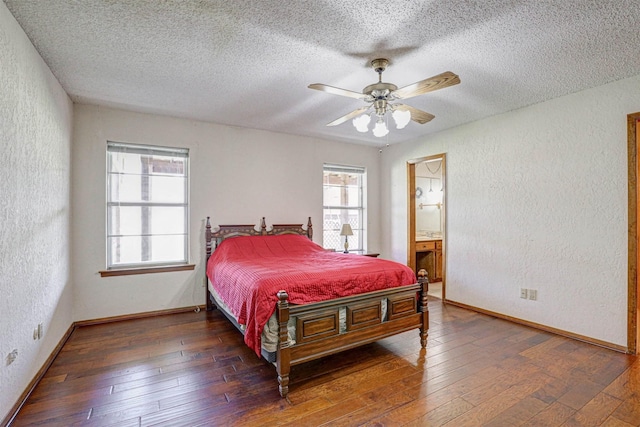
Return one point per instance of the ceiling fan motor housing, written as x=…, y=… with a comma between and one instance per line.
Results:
x=382, y=90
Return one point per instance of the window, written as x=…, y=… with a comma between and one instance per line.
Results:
x=343, y=200
x=147, y=206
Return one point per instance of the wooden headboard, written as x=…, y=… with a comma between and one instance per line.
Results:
x=213, y=238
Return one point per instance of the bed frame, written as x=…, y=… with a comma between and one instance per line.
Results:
x=317, y=324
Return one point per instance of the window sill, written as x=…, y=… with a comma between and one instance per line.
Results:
x=145, y=270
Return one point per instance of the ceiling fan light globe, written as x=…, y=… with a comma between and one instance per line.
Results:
x=380, y=129
x=361, y=123
x=402, y=118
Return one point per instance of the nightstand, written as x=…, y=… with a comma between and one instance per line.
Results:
x=372, y=255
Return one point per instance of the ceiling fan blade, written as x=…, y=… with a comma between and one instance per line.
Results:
x=348, y=116
x=338, y=91
x=418, y=116
x=440, y=81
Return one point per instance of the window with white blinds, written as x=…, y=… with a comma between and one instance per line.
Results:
x=147, y=205
x=343, y=203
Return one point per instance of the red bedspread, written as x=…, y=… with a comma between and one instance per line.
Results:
x=248, y=272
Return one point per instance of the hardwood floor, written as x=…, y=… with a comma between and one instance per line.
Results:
x=193, y=369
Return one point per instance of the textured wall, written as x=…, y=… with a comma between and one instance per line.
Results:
x=35, y=139
x=238, y=175
x=536, y=198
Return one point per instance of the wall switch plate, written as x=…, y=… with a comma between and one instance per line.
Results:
x=533, y=294
x=524, y=293
x=40, y=330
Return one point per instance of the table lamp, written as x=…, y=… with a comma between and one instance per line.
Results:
x=346, y=232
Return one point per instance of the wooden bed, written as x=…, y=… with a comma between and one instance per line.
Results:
x=317, y=328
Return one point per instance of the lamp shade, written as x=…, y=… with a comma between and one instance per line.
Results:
x=362, y=122
x=401, y=117
x=380, y=129
x=346, y=230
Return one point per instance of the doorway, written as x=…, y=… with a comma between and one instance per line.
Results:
x=426, y=214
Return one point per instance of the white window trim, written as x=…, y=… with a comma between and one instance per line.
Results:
x=332, y=167
x=138, y=268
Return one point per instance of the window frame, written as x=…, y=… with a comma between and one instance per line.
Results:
x=144, y=267
x=361, y=208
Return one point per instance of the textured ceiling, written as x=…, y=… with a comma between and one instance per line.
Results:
x=248, y=63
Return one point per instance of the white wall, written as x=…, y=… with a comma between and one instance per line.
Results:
x=237, y=176
x=536, y=198
x=35, y=141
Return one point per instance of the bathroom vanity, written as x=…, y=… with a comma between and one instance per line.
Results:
x=429, y=256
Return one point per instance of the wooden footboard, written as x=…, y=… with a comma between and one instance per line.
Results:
x=318, y=331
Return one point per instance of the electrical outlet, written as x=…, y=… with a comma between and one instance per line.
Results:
x=524, y=293
x=533, y=294
x=38, y=332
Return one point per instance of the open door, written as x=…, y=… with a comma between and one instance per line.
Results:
x=426, y=248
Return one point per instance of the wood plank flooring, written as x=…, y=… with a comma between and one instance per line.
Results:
x=193, y=369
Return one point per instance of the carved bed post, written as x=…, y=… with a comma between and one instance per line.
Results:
x=208, y=249
x=423, y=279
x=309, y=230
x=207, y=234
x=263, y=227
x=283, y=360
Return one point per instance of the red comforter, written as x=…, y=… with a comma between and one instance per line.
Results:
x=248, y=272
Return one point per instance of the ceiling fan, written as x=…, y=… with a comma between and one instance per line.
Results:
x=381, y=98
